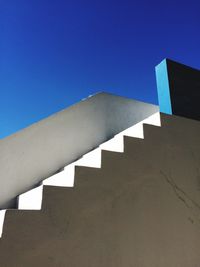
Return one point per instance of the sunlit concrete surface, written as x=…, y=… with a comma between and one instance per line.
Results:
x=2, y=216
x=31, y=200
x=64, y=178
x=91, y=159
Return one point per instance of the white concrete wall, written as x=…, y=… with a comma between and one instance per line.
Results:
x=38, y=151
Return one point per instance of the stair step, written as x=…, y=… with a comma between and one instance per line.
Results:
x=114, y=144
x=86, y=176
x=31, y=200
x=142, y=209
x=2, y=217
x=18, y=224
x=64, y=178
x=107, y=156
x=58, y=199
x=135, y=213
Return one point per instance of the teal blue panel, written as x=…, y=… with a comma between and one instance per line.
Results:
x=163, y=89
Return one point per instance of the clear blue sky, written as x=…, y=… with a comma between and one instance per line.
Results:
x=54, y=53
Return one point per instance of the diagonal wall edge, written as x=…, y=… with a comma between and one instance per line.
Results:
x=36, y=152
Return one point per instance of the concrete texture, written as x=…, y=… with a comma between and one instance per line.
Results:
x=37, y=152
x=142, y=209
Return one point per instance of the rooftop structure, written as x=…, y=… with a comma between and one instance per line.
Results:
x=109, y=181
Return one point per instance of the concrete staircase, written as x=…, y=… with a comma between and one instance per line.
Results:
x=141, y=208
x=32, y=199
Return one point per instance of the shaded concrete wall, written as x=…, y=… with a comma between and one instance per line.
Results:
x=141, y=209
x=38, y=151
x=178, y=89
